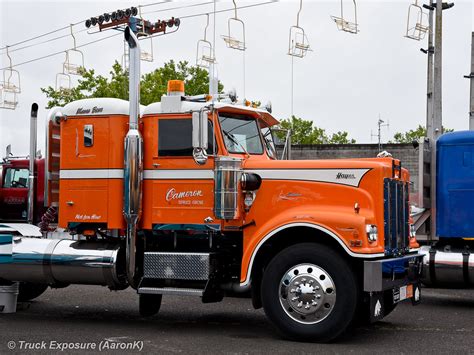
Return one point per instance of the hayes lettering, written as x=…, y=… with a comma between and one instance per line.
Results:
x=345, y=176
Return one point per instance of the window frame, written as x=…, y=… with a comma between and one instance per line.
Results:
x=212, y=131
x=240, y=116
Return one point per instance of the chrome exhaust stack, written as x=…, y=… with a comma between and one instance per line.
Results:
x=61, y=262
x=133, y=160
x=31, y=175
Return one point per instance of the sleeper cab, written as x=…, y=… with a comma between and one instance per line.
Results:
x=91, y=163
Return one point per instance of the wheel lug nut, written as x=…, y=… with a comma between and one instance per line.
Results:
x=307, y=306
x=294, y=299
x=318, y=296
x=314, y=303
x=317, y=287
x=303, y=280
x=299, y=305
x=292, y=290
x=311, y=282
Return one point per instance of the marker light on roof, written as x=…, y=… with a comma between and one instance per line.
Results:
x=175, y=88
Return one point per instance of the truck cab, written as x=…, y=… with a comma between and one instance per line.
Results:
x=14, y=189
x=186, y=197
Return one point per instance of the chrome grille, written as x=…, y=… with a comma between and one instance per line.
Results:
x=396, y=217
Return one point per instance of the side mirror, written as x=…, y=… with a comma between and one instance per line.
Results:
x=200, y=137
x=9, y=151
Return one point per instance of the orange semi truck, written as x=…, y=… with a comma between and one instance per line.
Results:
x=186, y=197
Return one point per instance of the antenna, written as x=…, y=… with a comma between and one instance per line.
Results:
x=343, y=24
x=204, y=53
x=380, y=123
x=10, y=86
x=417, y=22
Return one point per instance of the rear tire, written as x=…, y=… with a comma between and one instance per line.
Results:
x=29, y=291
x=149, y=305
x=309, y=293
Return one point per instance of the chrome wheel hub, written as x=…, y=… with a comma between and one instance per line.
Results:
x=307, y=293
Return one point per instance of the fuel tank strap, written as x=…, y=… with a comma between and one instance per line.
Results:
x=465, y=267
x=432, y=265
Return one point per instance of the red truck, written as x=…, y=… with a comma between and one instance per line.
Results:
x=14, y=173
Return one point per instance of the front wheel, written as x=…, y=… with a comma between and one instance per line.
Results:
x=309, y=292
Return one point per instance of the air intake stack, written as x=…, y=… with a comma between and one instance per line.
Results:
x=133, y=156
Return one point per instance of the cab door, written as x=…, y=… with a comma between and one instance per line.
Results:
x=182, y=190
x=14, y=194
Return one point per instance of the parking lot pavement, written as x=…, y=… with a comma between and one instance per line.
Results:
x=443, y=323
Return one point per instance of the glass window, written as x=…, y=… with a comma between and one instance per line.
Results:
x=241, y=134
x=16, y=178
x=269, y=142
x=175, y=138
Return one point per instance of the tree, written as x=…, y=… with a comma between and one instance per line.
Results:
x=303, y=132
x=413, y=135
x=153, y=85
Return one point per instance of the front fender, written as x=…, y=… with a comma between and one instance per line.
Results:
x=340, y=224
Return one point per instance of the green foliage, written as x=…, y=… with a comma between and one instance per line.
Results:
x=153, y=85
x=413, y=135
x=303, y=132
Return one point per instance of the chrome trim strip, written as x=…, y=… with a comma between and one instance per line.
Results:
x=91, y=174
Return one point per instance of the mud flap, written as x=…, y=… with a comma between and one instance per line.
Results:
x=377, y=306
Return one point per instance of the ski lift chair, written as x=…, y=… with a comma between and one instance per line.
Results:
x=343, y=24
x=235, y=38
x=63, y=81
x=298, y=43
x=204, y=53
x=417, y=22
x=145, y=54
x=204, y=56
x=11, y=80
x=10, y=86
x=74, y=62
x=8, y=99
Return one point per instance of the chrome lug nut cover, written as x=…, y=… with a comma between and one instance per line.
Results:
x=307, y=293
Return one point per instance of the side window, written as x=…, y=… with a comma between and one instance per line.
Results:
x=175, y=138
x=88, y=135
x=17, y=178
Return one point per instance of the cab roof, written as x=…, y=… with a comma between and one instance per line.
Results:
x=188, y=106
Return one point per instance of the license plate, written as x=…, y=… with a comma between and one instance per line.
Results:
x=402, y=293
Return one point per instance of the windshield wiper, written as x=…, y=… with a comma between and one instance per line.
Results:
x=235, y=141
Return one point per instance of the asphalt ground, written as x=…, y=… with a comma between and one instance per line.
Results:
x=108, y=321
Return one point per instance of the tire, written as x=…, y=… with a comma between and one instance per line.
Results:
x=149, y=305
x=309, y=293
x=29, y=291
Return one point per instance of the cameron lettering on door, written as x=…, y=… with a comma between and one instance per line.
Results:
x=185, y=197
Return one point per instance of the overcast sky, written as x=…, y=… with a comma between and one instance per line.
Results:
x=343, y=84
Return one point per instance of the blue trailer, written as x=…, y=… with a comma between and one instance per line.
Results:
x=449, y=251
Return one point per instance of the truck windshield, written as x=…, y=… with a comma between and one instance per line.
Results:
x=16, y=178
x=241, y=134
